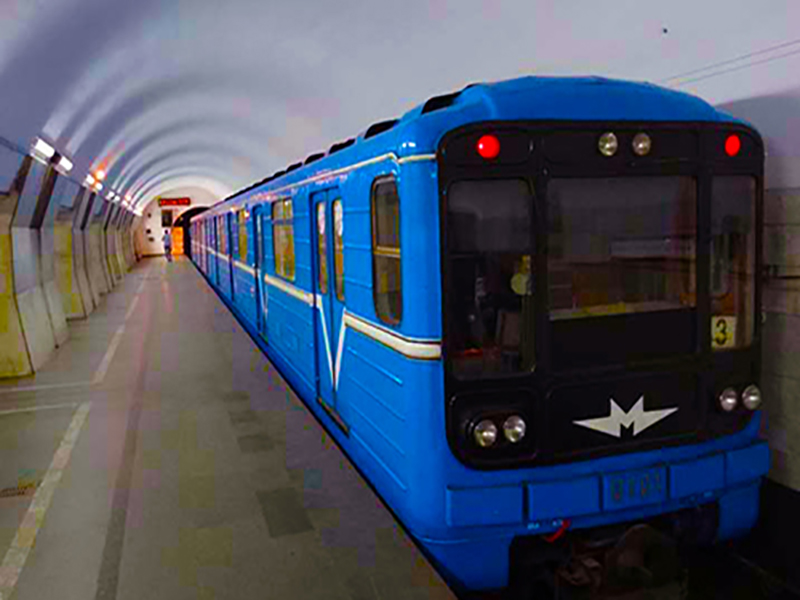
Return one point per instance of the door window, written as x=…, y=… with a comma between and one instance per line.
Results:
x=322, y=249
x=338, y=248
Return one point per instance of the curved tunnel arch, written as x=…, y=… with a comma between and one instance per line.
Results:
x=215, y=179
x=177, y=154
x=214, y=161
x=125, y=171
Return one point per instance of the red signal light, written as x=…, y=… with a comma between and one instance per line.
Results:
x=732, y=145
x=488, y=147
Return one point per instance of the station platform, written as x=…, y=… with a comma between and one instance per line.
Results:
x=158, y=454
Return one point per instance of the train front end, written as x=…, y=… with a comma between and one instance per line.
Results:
x=601, y=321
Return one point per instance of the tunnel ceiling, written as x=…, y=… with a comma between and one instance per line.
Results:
x=163, y=94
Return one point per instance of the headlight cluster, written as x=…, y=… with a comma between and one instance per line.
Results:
x=750, y=398
x=608, y=144
x=485, y=433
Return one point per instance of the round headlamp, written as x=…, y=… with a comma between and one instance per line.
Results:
x=514, y=428
x=642, y=144
x=751, y=397
x=608, y=144
x=485, y=433
x=728, y=399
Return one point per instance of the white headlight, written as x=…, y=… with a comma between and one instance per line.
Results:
x=608, y=144
x=485, y=433
x=751, y=397
x=514, y=428
x=642, y=144
x=728, y=399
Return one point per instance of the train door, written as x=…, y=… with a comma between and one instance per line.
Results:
x=261, y=285
x=229, y=232
x=329, y=299
x=216, y=230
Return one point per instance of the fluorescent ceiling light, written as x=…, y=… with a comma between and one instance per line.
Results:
x=100, y=175
x=90, y=180
x=98, y=186
x=65, y=164
x=44, y=148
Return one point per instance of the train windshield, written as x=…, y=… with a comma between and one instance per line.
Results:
x=621, y=268
x=491, y=309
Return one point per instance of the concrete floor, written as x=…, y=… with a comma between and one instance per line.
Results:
x=172, y=461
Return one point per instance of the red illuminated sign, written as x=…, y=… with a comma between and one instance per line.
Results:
x=174, y=201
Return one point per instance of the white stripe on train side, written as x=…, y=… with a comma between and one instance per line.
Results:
x=425, y=349
x=413, y=348
x=342, y=171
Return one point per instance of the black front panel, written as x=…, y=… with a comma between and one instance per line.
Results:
x=610, y=343
x=580, y=147
x=596, y=341
x=618, y=414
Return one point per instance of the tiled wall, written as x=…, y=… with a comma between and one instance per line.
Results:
x=781, y=379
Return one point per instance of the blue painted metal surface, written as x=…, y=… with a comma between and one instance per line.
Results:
x=393, y=404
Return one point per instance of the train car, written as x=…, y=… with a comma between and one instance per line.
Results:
x=528, y=311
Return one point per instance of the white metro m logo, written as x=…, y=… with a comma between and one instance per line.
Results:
x=618, y=419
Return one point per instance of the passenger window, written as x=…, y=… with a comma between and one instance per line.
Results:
x=322, y=249
x=235, y=234
x=243, y=217
x=223, y=235
x=283, y=238
x=386, y=277
x=338, y=248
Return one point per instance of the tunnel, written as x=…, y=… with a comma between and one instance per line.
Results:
x=479, y=300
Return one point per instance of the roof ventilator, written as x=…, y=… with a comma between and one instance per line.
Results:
x=380, y=127
x=313, y=158
x=341, y=145
x=440, y=102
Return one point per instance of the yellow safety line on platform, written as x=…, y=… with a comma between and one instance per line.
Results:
x=20, y=548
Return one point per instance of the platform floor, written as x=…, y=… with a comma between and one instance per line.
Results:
x=160, y=455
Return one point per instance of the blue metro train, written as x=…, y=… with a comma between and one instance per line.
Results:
x=528, y=311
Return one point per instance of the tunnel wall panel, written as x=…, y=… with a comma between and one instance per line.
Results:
x=80, y=247
x=111, y=246
x=76, y=298
x=98, y=277
x=29, y=289
x=47, y=260
x=37, y=302
x=14, y=357
x=119, y=251
x=79, y=257
x=103, y=241
x=781, y=347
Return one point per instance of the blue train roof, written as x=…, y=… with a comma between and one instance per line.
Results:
x=526, y=98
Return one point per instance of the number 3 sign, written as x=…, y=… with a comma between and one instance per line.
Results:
x=723, y=332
